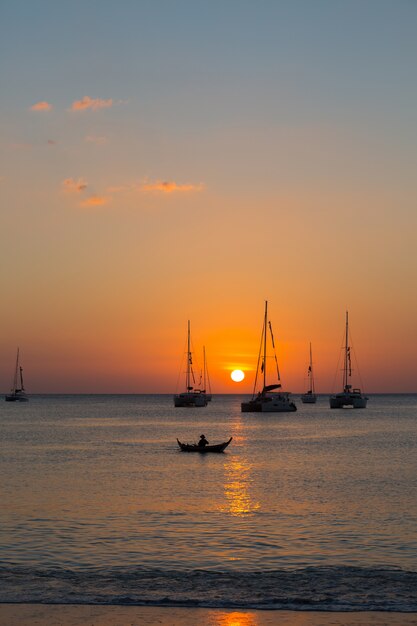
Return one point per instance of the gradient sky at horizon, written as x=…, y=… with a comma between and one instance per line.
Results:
x=164, y=161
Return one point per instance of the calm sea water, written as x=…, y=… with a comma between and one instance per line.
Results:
x=313, y=509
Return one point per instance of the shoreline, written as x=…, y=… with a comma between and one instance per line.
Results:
x=17, y=614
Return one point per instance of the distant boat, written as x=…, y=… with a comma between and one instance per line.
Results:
x=310, y=397
x=193, y=447
x=191, y=397
x=271, y=399
x=17, y=394
x=349, y=396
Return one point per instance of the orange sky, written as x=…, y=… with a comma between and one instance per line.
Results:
x=194, y=178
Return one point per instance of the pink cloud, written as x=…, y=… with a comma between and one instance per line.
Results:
x=41, y=106
x=169, y=186
x=71, y=185
x=94, y=201
x=91, y=103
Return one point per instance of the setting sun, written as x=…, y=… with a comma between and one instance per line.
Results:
x=237, y=376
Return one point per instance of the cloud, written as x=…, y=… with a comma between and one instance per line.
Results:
x=71, y=185
x=169, y=186
x=94, y=201
x=99, y=141
x=91, y=103
x=41, y=106
x=51, y=142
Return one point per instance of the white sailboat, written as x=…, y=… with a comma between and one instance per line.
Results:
x=349, y=396
x=310, y=396
x=17, y=393
x=271, y=399
x=191, y=397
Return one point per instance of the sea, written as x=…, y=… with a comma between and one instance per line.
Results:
x=312, y=510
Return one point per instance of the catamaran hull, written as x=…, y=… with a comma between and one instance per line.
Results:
x=268, y=405
x=190, y=400
x=341, y=400
x=16, y=398
x=251, y=407
x=274, y=407
x=309, y=398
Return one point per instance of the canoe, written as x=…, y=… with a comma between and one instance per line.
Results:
x=188, y=447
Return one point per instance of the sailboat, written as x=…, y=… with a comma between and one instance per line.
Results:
x=17, y=394
x=310, y=397
x=191, y=396
x=271, y=399
x=349, y=396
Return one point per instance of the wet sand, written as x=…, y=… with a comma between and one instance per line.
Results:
x=93, y=615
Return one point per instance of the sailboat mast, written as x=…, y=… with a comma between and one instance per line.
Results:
x=21, y=379
x=345, y=373
x=204, y=367
x=310, y=371
x=265, y=331
x=188, y=358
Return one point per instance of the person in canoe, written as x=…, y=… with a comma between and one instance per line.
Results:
x=203, y=442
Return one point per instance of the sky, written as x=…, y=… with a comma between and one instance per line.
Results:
x=170, y=161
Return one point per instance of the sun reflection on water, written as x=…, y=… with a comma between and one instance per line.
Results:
x=237, y=487
x=234, y=618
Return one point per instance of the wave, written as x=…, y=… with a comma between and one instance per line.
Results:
x=318, y=588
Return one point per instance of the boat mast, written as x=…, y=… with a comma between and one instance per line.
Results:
x=187, y=379
x=265, y=331
x=204, y=368
x=345, y=372
x=310, y=371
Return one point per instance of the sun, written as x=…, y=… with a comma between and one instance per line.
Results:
x=237, y=376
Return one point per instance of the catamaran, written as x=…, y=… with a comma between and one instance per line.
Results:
x=349, y=396
x=271, y=399
x=310, y=396
x=191, y=396
x=17, y=394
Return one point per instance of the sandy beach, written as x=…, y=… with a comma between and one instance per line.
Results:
x=76, y=615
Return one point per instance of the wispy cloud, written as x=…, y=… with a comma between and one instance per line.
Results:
x=91, y=103
x=51, y=142
x=41, y=106
x=70, y=185
x=94, y=201
x=169, y=186
x=99, y=141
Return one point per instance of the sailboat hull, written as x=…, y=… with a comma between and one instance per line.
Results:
x=269, y=403
x=309, y=398
x=340, y=400
x=190, y=400
x=16, y=397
